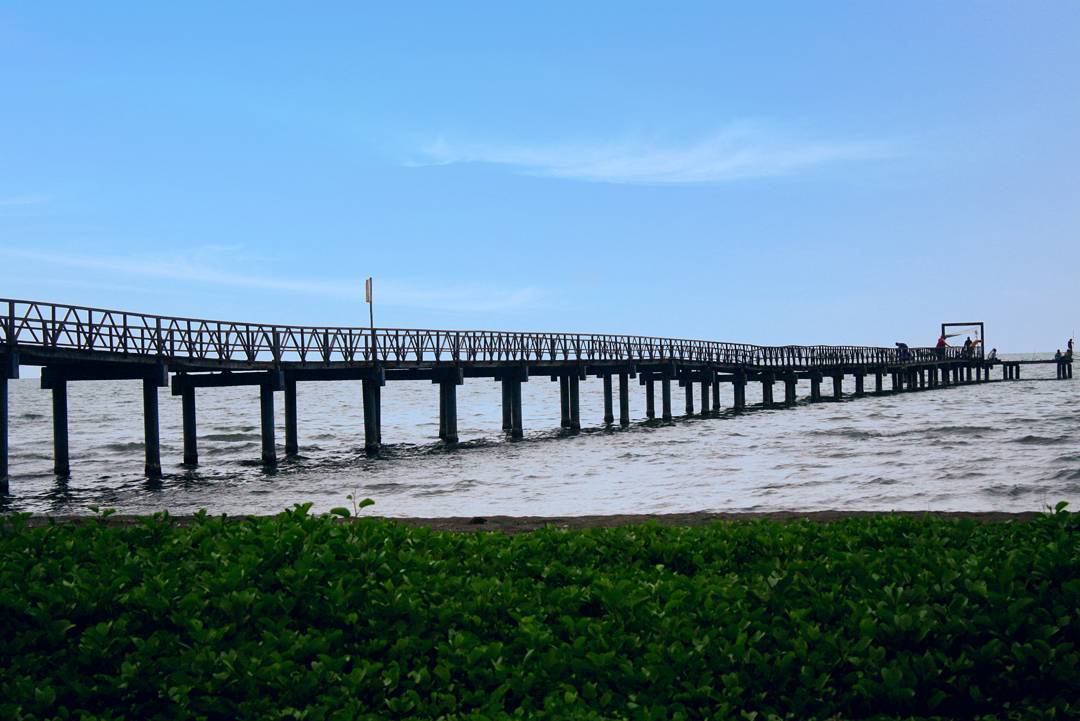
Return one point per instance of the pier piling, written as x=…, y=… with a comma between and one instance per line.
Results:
x=292, y=441
x=507, y=405
x=815, y=387
x=650, y=398
x=624, y=399
x=665, y=398
x=738, y=388
x=151, y=432
x=3, y=432
x=266, y=417
x=448, y=419
x=715, y=394
x=564, y=401
x=609, y=412
x=791, y=384
x=372, y=432
x=516, y=430
x=191, y=444
x=61, y=460
x=688, y=387
x=767, y=391
x=838, y=387
x=705, y=385
x=575, y=403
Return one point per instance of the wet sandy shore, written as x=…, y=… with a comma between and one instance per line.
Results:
x=520, y=524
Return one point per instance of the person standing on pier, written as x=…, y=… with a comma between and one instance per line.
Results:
x=993, y=355
x=967, y=347
x=942, y=344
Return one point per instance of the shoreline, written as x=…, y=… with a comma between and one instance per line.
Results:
x=524, y=524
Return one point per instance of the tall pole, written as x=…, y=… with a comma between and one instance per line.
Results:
x=369, y=297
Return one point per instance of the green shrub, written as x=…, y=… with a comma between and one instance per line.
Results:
x=300, y=616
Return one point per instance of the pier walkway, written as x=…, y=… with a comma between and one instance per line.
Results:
x=74, y=343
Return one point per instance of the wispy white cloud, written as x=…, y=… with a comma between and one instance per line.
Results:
x=739, y=151
x=204, y=267
x=15, y=201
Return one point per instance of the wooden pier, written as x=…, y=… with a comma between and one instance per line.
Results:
x=74, y=343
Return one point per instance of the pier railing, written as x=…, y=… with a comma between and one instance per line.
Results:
x=78, y=328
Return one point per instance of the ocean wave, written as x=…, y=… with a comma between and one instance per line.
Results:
x=1042, y=440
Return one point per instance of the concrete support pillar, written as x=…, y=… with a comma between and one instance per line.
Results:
x=791, y=384
x=292, y=441
x=860, y=390
x=705, y=386
x=738, y=388
x=688, y=386
x=61, y=460
x=448, y=421
x=650, y=398
x=838, y=386
x=967, y=374
x=922, y=378
x=3, y=432
x=609, y=413
x=191, y=444
x=624, y=399
x=564, y=401
x=815, y=388
x=665, y=398
x=372, y=413
x=767, y=391
x=716, y=395
x=151, y=428
x=516, y=430
x=575, y=404
x=1016, y=371
x=879, y=382
x=266, y=407
x=507, y=405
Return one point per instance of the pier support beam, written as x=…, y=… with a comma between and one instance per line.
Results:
x=609, y=411
x=688, y=386
x=665, y=398
x=860, y=390
x=9, y=368
x=564, y=400
x=448, y=418
x=706, y=384
x=372, y=415
x=716, y=394
x=507, y=404
x=292, y=441
x=767, y=391
x=575, y=404
x=879, y=382
x=738, y=388
x=3, y=433
x=516, y=430
x=61, y=460
x=191, y=444
x=815, y=388
x=838, y=386
x=266, y=408
x=650, y=398
x=624, y=399
x=151, y=428
x=790, y=389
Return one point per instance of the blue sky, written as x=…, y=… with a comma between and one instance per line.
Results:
x=790, y=173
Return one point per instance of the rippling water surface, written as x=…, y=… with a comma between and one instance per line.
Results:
x=998, y=446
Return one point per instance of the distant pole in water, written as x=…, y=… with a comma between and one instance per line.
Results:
x=371, y=315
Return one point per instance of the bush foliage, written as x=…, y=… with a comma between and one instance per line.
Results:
x=307, y=617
